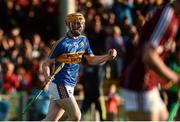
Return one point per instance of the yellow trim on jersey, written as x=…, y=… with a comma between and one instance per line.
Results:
x=82, y=36
x=71, y=58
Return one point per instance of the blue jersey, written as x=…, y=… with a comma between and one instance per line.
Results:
x=69, y=51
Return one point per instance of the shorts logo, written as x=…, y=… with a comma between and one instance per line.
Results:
x=69, y=91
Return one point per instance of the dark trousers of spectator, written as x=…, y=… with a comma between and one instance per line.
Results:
x=92, y=83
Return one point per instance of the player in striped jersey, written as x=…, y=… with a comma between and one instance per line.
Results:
x=145, y=66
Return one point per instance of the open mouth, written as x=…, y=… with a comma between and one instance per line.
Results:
x=79, y=29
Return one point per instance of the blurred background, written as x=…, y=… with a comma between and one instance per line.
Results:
x=27, y=30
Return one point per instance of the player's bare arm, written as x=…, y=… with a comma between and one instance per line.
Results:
x=152, y=59
x=46, y=68
x=94, y=60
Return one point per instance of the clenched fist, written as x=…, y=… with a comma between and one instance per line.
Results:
x=112, y=53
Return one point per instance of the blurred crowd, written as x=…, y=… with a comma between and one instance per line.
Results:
x=27, y=28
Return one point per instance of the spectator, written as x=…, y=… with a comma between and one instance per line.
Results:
x=113, y=101
x=25, y=78
x=97, y=41
x=117, y=42
x=122, y=9
x=50, y=18
x=11, y=83
x=93, y=89
x=96, y=34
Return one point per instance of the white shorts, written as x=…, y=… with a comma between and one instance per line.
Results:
x=148, y=101
x=57, y=92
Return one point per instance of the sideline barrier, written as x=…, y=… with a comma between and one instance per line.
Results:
x=13, y=108
x=17, y=102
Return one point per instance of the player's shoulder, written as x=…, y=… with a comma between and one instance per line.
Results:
x=166, y=8
x=83, y=36
x=56, y=42
x=62, y=38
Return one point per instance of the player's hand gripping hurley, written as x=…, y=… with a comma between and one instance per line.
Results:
x=43, y=87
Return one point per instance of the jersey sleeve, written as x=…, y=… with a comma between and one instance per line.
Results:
x=88, y=50
x=57, y=49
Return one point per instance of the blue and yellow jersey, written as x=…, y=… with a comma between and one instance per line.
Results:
x=69, y=51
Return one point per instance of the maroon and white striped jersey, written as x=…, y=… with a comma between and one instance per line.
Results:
x=160, y=31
